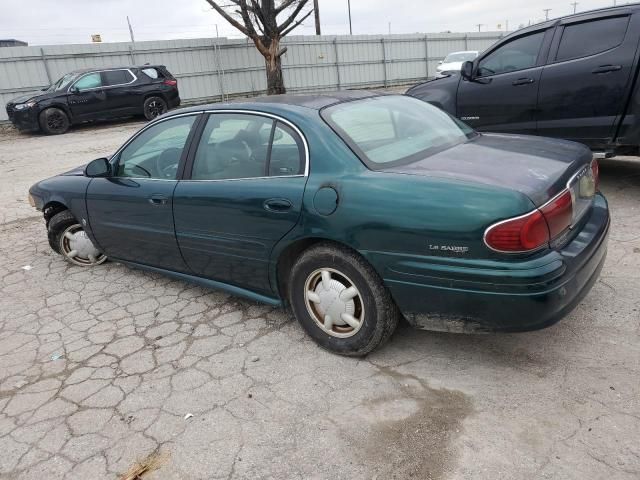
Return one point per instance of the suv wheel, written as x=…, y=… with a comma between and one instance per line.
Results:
x=54, y=121
x=154, y=107
x=340, y=300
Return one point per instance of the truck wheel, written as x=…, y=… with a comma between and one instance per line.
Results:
x=154, y=107
x=68, y=238
x=340, y=300
x=54, y=121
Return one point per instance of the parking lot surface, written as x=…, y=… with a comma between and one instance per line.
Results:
x=101, y=368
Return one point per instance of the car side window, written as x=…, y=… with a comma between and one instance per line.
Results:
x=116, y=77
x=588, y=38
x=287, y=152
x=151, y=73
x=156, y=152
x=233, y=146
x=515, y=55
x=91, y=80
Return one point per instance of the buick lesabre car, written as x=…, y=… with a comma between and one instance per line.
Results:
x=352, y=208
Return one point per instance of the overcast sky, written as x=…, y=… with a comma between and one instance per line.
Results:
x=42, y=22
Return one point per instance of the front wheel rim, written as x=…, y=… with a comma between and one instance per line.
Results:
x=76, y=246
x=155, y=108
x=334, y=303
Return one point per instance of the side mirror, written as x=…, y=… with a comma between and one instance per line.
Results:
x=440, y=62
x=467, y=70
x=99, y=167
x=74, y=90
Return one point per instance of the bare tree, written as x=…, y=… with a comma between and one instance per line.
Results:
x=258, y=20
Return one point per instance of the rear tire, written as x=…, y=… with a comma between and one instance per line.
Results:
x=154, y=107
x=54, y=121
x=68, y=238
x=335, y=282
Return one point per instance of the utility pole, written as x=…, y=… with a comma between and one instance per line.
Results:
x=546, y=12
x=574, y=4
x=133, y=40
x=349, y=8
x=316, y=13
x=479, y=25
x=389, y=28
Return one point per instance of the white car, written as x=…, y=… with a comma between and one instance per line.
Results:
x=453, y=62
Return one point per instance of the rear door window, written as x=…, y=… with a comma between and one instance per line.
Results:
x=588, y=38
x=116, y=77
x=515, y=55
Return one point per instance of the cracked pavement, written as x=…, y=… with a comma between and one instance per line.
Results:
x=100, y=366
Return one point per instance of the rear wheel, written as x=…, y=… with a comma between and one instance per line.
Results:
x=154, y=107
x=54, y=121
x=340, y=300
x=68, y=238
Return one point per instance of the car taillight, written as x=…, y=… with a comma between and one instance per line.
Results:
x=519, y=234
x=171, y=83
x=595, y=172
x=533, y=230
x=558, y=213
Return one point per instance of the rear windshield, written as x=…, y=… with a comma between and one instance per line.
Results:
x=391, y=130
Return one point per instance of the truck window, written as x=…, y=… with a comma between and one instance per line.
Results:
x=588, y=38
x=515, y=55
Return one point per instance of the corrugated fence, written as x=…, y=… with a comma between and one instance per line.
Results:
x=211, y=69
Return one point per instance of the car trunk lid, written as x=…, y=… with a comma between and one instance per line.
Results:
x=540, y=168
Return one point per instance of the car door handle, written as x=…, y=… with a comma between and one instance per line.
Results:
x=607, y=69
x=522, y=81
x=158, y=199
x=277, y=205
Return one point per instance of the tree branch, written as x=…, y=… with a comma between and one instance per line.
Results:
x=286, y=32
x=284, y=5
x=292, y=17
x=228, y=17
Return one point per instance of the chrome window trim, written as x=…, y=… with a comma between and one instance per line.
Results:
x=275, y=117
x=566, y=188
x=135, y=78
x=115, y=156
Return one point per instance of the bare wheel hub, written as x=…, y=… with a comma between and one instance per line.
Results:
x=334, y=302
x=78, y=248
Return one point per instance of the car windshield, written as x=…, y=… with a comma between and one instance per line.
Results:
x=62, y=82
x=395, y=129
x=460, y=57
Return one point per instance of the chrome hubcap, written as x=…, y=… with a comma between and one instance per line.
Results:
x=334, y=302
x=78, y=248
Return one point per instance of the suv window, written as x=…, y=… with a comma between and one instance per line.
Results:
x=233, y=146
x=589, y=38
x=151, y=73
x=91, y=80
x=116, y=77
x=518, y=54
x=156, y=152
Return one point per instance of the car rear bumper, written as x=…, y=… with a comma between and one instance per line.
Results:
x=26, y=119
x=502, y=296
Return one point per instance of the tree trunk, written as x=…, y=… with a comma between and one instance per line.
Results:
x=275, y=82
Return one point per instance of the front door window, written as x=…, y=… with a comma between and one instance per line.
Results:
x=157, y=151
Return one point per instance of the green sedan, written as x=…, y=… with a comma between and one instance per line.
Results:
x=354, y=209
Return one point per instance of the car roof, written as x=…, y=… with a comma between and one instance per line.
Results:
x=311, y=101
x=124, y=67
x=553, y=21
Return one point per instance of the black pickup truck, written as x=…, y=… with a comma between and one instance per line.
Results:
x=574, y=77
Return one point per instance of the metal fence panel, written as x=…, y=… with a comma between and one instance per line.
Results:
x=212, y=69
